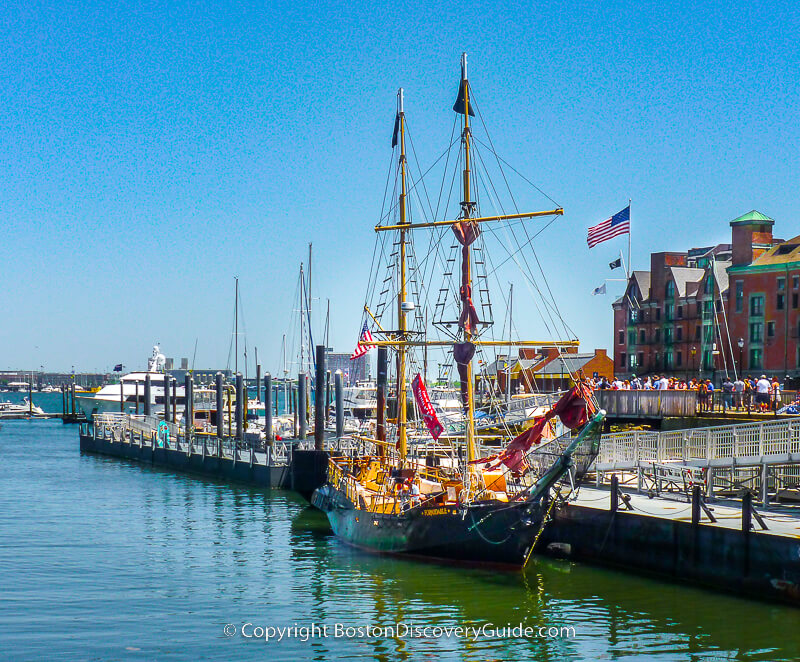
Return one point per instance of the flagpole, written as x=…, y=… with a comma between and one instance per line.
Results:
x=630, y=268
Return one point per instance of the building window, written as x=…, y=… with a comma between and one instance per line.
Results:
x=679, y=333
x=632, y=337
x=795, y=282
x=668, y=335
x=633, y=316
x=669, y=312
x=708, y=333
x=756, y=332
x=642, y=337
x=632, y=360
x=658, y=314
x=770, y=329
x=757, y=305
x=739, y=295
x=697, y=332
x=622, y=358
x=798, y=356
x=640, y=359
x=755, y=359
x=669, y=290
x=781, y=284
x=708, y=360
x=657, y=336
x=709, y=289
x=779, y=301
x=679, y=311
x=678, y=359
x=707, y=308
x=668, y=360
x=794, y=300
x=621, y=337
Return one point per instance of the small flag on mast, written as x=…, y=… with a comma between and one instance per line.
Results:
x=366, y=337
x=619, y=223
x=615, y=264
x=118, y=367
x=599, y=290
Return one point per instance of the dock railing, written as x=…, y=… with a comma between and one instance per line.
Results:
x=761, y=457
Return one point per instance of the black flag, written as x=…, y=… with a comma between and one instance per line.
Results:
x=458, y=106
x=616, y=263
x=396, y=130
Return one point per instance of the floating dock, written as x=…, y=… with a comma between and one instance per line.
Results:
x=288, y=464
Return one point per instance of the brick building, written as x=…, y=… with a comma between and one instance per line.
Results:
x=731, y=307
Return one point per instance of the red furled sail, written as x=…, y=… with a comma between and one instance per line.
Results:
x=574, y=408
x=425, y=406
x=466, y=233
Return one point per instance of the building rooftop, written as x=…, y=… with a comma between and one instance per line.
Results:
x=750, y=217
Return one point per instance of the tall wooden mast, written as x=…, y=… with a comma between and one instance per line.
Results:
x=467, y=207
x=402, y=435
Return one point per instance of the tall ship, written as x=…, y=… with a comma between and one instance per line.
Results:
x=456, y=496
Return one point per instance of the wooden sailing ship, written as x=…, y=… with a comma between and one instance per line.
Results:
x=457, y=502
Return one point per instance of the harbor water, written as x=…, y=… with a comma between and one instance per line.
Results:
x=102, y=559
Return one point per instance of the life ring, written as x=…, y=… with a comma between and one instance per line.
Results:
x=163, y=434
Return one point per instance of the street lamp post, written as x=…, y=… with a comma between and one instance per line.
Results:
x=740, y=343
x=694, y=360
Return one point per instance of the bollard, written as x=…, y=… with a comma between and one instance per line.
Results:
x=301, y=405
x=241, y=406
x=695, y=505
x=319, y=401
x=220, y=406
x=268, y=407
x=614, y=493
x=339, y=394
x=148, y=395
x=188, y=408
x=382, y=370
x=167, y=399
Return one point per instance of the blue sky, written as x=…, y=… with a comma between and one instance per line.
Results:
x=149, y=152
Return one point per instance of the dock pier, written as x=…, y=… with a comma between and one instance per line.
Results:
x=287, y=464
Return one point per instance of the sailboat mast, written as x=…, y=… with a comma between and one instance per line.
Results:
x=236, y=327
x=302, y=325
x=402, y=436
x=466, y=209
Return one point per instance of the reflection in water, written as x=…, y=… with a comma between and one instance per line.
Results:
x=103, y=557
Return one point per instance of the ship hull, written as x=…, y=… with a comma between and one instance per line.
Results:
x=493, y=532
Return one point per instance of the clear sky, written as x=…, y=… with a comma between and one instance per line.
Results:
x=151, y=151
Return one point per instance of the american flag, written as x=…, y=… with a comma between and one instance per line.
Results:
x=360, y=350
x=619, y=223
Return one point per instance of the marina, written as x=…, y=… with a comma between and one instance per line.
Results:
x=433, y=332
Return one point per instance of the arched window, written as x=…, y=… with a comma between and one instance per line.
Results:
x=669, y=290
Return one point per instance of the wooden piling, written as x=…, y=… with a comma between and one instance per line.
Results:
x=268, y=407
x=319, y=401
x=301, y=402
x=220, y=406
x=148, y=396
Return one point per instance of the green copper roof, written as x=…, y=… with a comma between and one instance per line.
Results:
x=751, y=217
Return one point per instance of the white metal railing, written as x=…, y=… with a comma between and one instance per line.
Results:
x=746, y=444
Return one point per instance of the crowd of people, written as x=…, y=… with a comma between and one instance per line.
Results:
x=748, y=392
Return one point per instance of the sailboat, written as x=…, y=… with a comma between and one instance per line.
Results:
x=416, y=496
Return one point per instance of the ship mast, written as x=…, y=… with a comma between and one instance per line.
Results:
x=467, y=207
x=402, y=435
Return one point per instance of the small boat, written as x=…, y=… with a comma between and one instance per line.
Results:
x=25, y=409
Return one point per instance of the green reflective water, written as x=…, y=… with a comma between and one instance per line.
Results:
x=103, y=559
